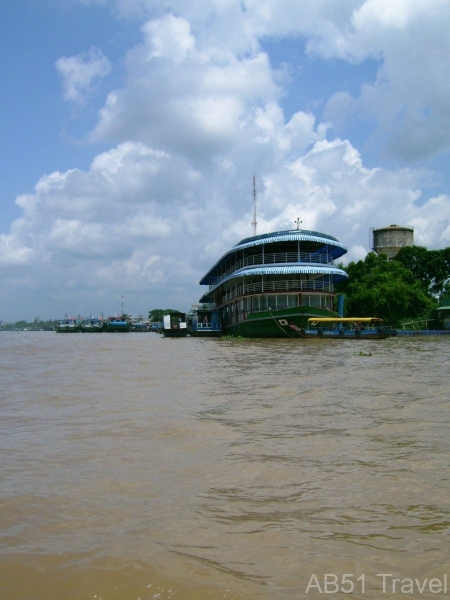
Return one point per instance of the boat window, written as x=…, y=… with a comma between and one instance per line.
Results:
x=315, y=300
x=282, y=300
x=292, y=300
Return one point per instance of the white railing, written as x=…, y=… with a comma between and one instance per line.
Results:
x=278, y=286
x=273, y=258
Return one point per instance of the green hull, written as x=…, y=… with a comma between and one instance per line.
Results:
x=275, y=323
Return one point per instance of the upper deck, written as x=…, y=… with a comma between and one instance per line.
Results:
x=291, y=247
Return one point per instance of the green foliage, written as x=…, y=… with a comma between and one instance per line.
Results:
x=21, y=325
x=377, y=287
x=157, y=314
x=431, y=267
x=38, y=323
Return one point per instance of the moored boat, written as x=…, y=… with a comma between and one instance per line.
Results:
x=204, y=321
x=268, y=282
x=174, y=325
x=344, y=328
x=117, y=324
x=68, y=325
x=140, y=326
x=92, y=325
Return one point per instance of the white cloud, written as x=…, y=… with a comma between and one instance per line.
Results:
x=79, y=73
x=12, y=253
x=181, y=99
x=408, y=100
x=169, y=37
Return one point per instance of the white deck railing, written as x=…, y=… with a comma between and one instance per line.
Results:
x=278, y=286
x=272, y=259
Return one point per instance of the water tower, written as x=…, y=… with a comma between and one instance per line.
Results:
x=389, y=240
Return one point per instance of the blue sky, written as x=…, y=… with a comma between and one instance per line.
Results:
x=131, y=130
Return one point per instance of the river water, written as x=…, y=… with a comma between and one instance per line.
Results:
x=135, y=467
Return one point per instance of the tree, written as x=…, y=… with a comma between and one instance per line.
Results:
x=431, y=267
x=377, y=287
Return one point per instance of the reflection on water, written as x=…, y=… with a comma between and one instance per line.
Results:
x=134, y=466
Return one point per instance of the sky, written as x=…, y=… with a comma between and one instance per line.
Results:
x=131, y=131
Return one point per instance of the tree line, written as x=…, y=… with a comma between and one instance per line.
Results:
x=410, y=286
x=38, y=323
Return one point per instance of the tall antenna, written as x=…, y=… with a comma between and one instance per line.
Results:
x=254, y=223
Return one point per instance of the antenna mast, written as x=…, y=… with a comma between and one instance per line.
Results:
x=254, y=223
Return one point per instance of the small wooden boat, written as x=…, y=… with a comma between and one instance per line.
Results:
x=345, y=328
x=174, y=325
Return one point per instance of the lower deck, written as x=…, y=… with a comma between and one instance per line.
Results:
x=240, y=309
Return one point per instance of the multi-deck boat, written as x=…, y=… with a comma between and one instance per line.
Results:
x=268, y=282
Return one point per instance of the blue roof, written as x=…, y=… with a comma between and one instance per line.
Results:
x=313, y=269
x=295, y=235
x=289, y=231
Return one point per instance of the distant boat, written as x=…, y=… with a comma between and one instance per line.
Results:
x=174, y=325
x=204, y=321
x=266, y=282
x=344, y=328
x=140, y=326
x=92, y=325
x=68, y=325
x=117, y=324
